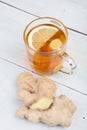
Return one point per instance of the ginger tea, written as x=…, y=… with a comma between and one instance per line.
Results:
x=45, y=44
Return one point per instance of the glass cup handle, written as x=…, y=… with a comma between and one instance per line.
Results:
x=68, y=64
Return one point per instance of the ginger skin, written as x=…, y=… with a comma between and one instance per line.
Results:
x=31, y=90
x=60, y=113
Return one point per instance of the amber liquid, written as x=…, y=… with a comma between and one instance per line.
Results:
x=43, y=62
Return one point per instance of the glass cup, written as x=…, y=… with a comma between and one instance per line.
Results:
x=46, y=39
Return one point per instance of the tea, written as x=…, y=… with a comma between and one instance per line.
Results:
x=42, y=39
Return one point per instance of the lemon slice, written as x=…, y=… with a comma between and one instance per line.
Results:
x=55, y=44
x=39, y=35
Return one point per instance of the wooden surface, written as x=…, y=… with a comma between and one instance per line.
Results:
x=14, y=16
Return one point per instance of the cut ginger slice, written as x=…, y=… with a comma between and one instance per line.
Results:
x=39, y=35
x=55, y=44
x=42, y=104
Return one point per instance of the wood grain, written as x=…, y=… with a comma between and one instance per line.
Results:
x=72, y=12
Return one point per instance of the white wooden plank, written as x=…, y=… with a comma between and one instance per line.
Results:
x=9, y=103
x=72, y=12
x=12, y=47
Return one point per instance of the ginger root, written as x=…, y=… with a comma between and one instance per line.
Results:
x=31, y=90
x=60, y=113
x=42, y=104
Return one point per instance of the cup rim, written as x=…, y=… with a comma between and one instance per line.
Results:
x=54, y=51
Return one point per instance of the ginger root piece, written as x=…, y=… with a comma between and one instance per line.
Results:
x=30, y=90
x=26, y=81
x=42, y=104
x=46, y=88
x=60, y=113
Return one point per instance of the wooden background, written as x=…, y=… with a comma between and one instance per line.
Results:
x=14, y=16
